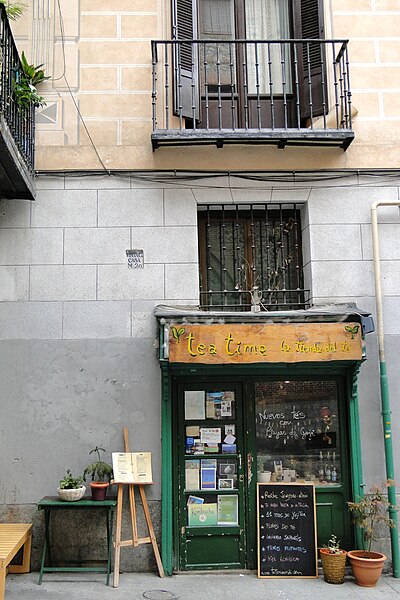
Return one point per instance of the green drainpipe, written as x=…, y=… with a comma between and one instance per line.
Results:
x=387, y=424
x=387, y=429
x=166, y=481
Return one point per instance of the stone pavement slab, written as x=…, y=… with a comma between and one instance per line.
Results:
x=199, y=586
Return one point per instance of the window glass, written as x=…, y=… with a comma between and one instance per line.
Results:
x=298, y=431
x=217, y=22
x=216, y=19
x=268, y=65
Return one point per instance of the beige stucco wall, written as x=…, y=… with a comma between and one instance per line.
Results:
x=104, y=50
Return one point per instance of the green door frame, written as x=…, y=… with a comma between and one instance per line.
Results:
x=174, y=370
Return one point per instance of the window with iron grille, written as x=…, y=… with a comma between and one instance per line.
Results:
x=250, y=256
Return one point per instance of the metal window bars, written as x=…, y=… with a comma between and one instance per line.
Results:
x=250, y=257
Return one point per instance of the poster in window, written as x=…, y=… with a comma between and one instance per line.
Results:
x=194, y=405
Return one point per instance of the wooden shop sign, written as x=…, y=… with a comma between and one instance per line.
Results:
x=281, y=343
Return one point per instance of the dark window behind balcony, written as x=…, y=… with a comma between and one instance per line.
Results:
x=234, y=76
x=250, y=255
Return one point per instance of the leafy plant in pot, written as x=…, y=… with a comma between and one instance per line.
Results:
x=25, y=82
x=71, y=488
x=369, y=513
x=333, y=560
x=100, y=473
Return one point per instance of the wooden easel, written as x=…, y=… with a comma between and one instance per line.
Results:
x=136, y=540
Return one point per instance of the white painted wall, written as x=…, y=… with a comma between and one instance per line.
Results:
x=78, y=339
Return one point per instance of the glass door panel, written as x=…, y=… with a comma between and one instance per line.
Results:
x=218, y=86
x=268, y=65
x=242, y=83
x=299, y=437
x=298, y=431
x=217, y=22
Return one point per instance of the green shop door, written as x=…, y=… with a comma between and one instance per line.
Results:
x=230, y=433
x=210, y=499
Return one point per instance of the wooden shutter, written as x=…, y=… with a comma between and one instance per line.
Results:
x=308, y=23
x=186, y=60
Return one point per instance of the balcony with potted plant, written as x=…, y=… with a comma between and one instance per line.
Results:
x=19, y=99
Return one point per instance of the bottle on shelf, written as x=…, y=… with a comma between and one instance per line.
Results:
x=328, y=472
x=334, y=469
x=321, y=470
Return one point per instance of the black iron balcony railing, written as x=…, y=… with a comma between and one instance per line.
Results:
x=251, y=91
x=20, y=121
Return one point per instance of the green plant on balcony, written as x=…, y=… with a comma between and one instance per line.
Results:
x=14, y=10
x=25, y=93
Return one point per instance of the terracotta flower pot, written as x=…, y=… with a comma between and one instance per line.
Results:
x=99, y=489
x=366, y=567
x=333, y=565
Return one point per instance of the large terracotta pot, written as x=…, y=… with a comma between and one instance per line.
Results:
x=333, y=565
x=366, y=570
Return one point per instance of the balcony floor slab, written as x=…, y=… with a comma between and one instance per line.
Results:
x=341, y=138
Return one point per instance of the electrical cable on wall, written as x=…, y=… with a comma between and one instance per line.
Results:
x=64, y=76
x=301, y=179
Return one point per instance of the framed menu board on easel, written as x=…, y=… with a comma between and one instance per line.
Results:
x=287, y=533
x=132, y=467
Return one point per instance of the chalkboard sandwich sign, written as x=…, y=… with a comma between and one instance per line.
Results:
x=287, y=533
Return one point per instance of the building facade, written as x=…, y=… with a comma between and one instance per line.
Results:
x=203, y=185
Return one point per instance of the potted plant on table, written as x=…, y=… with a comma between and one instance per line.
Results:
x=368, y=513
x=100, y=473
x=333, y=560
x=71, y=488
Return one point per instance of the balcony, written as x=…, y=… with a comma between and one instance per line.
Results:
x=17, y=124
x=282, y=92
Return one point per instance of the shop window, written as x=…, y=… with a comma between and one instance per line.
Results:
x=250, y=257
x=298, y=432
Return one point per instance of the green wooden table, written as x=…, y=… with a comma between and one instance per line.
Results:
x=51, y=503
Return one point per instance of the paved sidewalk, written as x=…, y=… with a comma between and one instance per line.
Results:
x=200, y=586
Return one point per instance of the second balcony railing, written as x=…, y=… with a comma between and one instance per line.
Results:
x=277, y=91
x=20, y=120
